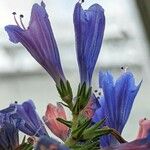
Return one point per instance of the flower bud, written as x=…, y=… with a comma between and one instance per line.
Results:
x=144, y=128
x=50, y=119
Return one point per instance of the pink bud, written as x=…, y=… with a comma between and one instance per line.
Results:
x=90, y=108
x=50, y=119
x=144, y=128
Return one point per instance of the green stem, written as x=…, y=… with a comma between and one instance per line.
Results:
x=71, y=141
x=74, y=121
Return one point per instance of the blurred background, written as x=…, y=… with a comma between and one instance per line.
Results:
x=126, y=43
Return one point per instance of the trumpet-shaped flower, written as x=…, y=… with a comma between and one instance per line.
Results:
x=50, y=119
x=9, y=138
x=89, y=29
x=49, y=144
x=141, y=143
x=116, y=103
x=39, y=40
x=25, y=118
x=91, y=107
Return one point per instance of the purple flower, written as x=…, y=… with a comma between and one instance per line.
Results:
x=48, y=143
x=89, y=29
x=39, y=40
x=91, y=107
x=140, y=144
x=25, y=118
x=116, y=103
x=9, y=139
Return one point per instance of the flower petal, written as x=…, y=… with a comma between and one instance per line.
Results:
x=89, y=29
x=39, y=40
x=24, y=118
x=9, y=138
x=116, y=103
x=125, y=92
x=50, y=119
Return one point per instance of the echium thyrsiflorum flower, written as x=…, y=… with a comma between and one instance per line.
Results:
x=139, y=144
x=142, y=142
x=47, y=143
x=116, y=102
x=50, y=119
x=39, y=40
x=89, y=30
x=25, y=118
x=9, y=137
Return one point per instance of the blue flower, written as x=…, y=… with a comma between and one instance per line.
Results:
x=116, y=103
x=89, y=29
x=24, y=117
x=46, y=142
x=139, y=144
x=9, y=138
x=39, y=40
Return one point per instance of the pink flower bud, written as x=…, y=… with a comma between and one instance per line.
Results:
x=50, y=119
x=91, y=107
x=88, y=110
x=144, y=128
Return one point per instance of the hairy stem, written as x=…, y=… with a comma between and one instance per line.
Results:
x=70, y=140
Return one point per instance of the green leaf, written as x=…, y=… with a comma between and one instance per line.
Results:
x=25, y=146
x=59, y=90
x=65, y=122
x=96, y=134
x=63, y=87
x=65, y=92
x=97, y=125
x=83, y=96
x=95, y=131
x=77, y=133
x=69, y=89
x=64, y=104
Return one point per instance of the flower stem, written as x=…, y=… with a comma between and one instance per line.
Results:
x=70, y=140
x=74, y=121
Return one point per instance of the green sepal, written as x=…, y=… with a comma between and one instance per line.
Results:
x=95, y=130
x=64, y=104
x=96, y=134
x=65, y=122
x=97, y=125
x=69, y=89
x=83, y=96
x=65, y=91
x=77, y=133
x=25, y=146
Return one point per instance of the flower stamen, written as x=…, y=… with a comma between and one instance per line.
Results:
x=124, y=68
x=14, y=13
x=21, y=16
x=81, y=1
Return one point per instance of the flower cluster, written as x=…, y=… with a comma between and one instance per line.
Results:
x=97, y=122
